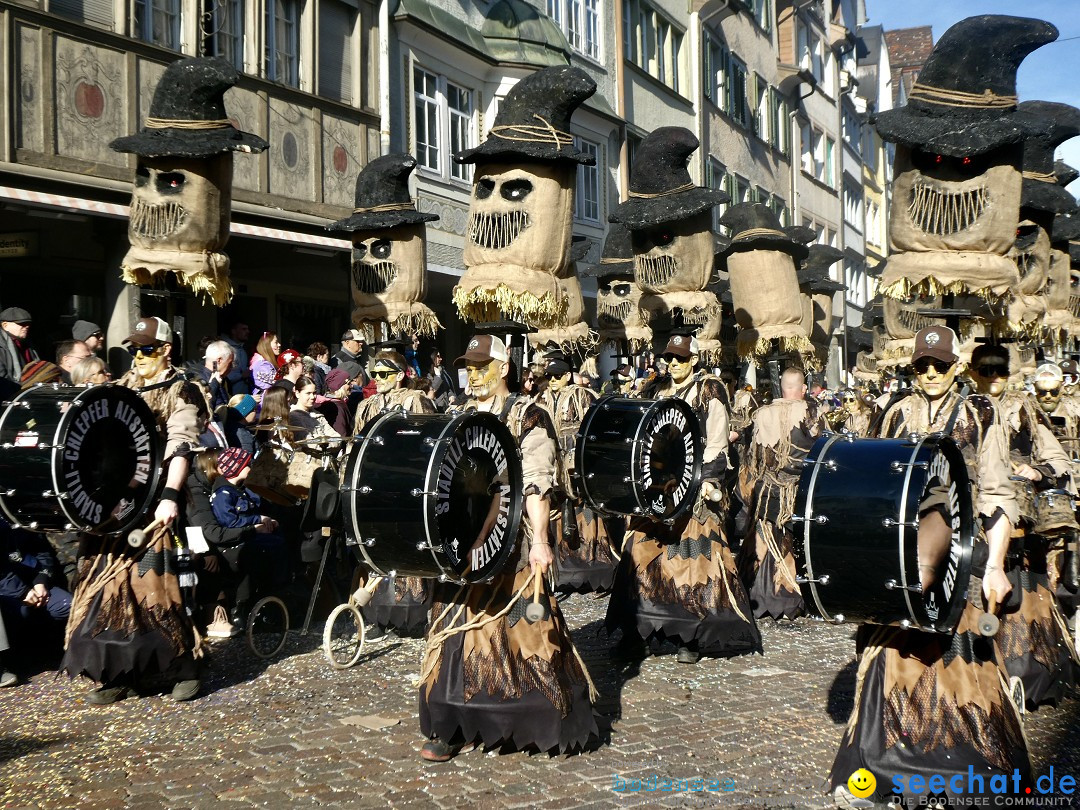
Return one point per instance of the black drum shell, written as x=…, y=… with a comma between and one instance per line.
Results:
x=859, y=484
x=390, y=502
x=609, y=455
x=31, y=463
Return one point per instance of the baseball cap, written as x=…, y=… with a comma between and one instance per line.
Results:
x=681, y=346
x=1069, y=368
x=16, y=315
x=353, y=334
x=938, y=342
x=1049, y=375
x=81, y=330
x=483, y=348
x=232, y=461
x=288, y=356
x=149, y=331
x=556, y=364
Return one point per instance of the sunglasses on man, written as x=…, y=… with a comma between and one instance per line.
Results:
x=992, y=370
x=924, y=364
x=384, y=375
x=145, y=351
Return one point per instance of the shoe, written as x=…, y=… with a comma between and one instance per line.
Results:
x=106, y=695
x=688, y=654
x=631, y=648
x=186, y=690
x=438, y=751
x=221, y=627
x=375, y=633
x=8, y=678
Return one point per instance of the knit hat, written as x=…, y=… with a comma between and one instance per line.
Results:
x=336, y=378
x=81, y=330
x=39, y=371
x=232, y=461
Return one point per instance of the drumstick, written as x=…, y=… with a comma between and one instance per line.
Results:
x=137, y=537
x=536, y=611
x=988, y=622
x=363, y=595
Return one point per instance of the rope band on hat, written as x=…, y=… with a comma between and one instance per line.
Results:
x=641, y=195
x=373, y=209
x=187, y=123
x=750, y=233
x=615, y=260
x=1041, y=177
x=529, y=133
x=960, y=98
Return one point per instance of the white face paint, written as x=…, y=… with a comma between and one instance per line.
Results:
x=386, y=379
x=485, y=378
x=149, y=363
x=681, y=367
x=937, y=379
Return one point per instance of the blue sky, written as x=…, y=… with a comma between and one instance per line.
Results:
x=1052, y=73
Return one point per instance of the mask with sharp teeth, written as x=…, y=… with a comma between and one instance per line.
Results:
x=618, y=314
x=182, y=199
x=674, y=256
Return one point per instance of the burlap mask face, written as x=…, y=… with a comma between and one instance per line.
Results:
x=389, y=279
x=179, y=223
x=674, y=256
x=518, y=240
x=765, y=292
x=571, y=333
x=618, y=314
x=952, y=223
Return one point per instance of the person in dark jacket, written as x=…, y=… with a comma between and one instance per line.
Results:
x=237, y=422
x=15, y=349
x=30, y=601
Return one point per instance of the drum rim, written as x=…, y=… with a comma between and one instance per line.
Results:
x=82, y=393
x=352, y=468
x=807, y=521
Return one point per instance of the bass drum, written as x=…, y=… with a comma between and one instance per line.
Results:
x=858, y=503
x=78, y=459
x=640, y=457
x=434, y=495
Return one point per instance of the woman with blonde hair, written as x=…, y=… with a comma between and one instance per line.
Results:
x=264, y=362
x=90, y=371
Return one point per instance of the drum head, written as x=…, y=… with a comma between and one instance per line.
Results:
x=668, y=458
x=110, y=461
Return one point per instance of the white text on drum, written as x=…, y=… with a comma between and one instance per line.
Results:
x=678, y=420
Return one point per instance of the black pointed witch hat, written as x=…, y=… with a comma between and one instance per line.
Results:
x=617, y=257
x=1066, y=227
x=814, y=271
x=964, y=101
x=1041, y=189
x=754, y=226
x=800, y=233
x=533, y=121
x=1064, y=173
x=187, y=114
x=382, y=196
x=660, y=186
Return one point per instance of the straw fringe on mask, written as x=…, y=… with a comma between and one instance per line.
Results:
x=205, y=274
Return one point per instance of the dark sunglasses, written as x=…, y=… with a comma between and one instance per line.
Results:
x=145, y=351
x=992, y=370
x=673, y=358
x=385, y=375
x=1048, y=393
x=923, y=364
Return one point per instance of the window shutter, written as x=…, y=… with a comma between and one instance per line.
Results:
x=98, y=12
x=336, y=23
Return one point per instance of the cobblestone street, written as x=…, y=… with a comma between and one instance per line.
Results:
x=294, y=733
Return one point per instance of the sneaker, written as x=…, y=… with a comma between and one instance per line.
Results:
x=186, y=690
x=221, y=627
x=106, y=695
x=8, y=678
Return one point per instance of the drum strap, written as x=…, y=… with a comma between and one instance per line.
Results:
x=180, y=377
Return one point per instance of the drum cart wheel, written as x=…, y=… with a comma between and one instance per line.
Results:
x=343, y=636
x=267, y=627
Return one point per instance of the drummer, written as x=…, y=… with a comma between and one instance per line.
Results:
x=127, y=618
x=504, y=680
x=1035, y=649
x=969, y=720
x=586, y=562
x=679, y=582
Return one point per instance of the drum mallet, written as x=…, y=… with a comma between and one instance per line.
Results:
x=363, y=595
x=989, y=623
x=536, y=611
x=137, y=537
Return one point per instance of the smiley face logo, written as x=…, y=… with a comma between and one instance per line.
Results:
x=861, y=783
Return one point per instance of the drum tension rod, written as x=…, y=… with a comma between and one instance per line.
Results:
x=828, y=465
x=889, y=522
x=893, y=585
x=63, y=496
x=431, y=441
x=419, y=493
x=822, y=580
x=368, y=541
x=815, y=519
x=897, y=466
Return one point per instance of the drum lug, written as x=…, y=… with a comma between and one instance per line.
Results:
x=431, y=441
x=897, y=466
x=822, y=580
x=893, y=585
x=368, y=541
x=815, y=519
x=828, y=465
x=63, y=496
x=15, y=404
x=377, y=440
x=364, y=490
x=419, y=493
x=629, y=440
x=889, y=523
x=9, y=492
x=592, y=437
x=425, y=547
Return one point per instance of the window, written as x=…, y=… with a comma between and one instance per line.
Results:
x=779, y=208
x=444, y=122
x=653, y=43
x=336, y=24
x=811, y=52
x=98, y=12
x=737, y=99
x=853, y=205
x=873, y=223
x=761, y=108
x=739, y=189
x=715, y=69
x=852, y=130
x=283, y=41
x=806, y=143
x=762, y=11
x=587, y=195
x=580, y=21
x=779, y=121
x=829, y=178
x=223, y=22
x=158, y=21
x=716, y=177
x=869, y=149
